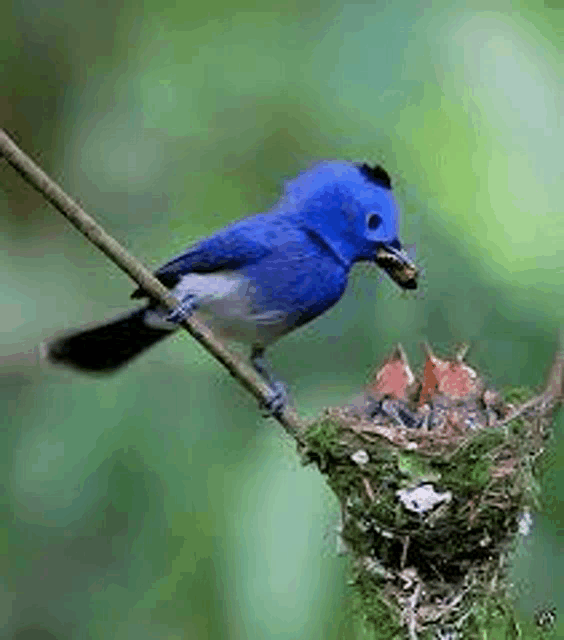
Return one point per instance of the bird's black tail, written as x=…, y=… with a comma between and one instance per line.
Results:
x=108, y=346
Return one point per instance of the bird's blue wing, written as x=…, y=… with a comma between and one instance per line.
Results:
x=231, y=248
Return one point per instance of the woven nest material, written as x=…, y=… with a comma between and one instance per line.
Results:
x=435, y=475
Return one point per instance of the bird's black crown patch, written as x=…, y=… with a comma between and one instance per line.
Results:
x=376, y=174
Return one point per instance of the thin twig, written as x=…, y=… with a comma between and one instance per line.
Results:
x=238, y=368
x=368, y=489
x=405, y=547
x=541, y=399
x=412, y=603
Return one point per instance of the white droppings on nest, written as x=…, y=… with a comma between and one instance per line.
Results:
x=422, y=498
x=361, y=457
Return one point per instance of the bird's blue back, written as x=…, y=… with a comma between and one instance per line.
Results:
x=325, y=205
x=296, y=258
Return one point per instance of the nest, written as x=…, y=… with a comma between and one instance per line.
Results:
x=435, y=476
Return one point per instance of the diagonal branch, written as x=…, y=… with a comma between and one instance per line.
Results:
x=237, y=367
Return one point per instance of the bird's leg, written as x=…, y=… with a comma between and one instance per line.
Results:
x=279, y=394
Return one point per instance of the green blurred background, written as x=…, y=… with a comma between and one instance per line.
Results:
x=157, y=503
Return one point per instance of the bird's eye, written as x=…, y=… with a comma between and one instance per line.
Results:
x=373, y=221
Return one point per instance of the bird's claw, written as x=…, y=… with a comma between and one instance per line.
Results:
x=277, y=401
x=185, y=309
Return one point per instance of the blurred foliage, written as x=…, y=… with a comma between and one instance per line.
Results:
x=122, y=519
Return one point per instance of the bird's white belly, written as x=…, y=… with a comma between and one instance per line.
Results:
x=224, y=303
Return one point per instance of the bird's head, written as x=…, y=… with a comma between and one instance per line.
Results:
x=352, y=207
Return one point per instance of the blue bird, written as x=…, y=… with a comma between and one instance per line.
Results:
x=263, y=276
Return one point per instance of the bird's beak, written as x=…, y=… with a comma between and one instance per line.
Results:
x=397, y=265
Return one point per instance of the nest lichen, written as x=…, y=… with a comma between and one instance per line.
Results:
x=435, y=477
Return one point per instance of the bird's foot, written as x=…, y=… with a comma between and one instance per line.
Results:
x=277, y=401
x=185, y=309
